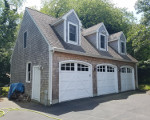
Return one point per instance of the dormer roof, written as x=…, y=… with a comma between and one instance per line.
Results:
x=115, y=36
x=93, y=29
x=64, y=17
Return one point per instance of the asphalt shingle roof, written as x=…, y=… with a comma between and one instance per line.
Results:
x=91, y=29
x=115, y=36
x=44, y=23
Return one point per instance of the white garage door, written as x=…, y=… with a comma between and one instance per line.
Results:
x=75, y=81
x=107, y=81
x=127, y=79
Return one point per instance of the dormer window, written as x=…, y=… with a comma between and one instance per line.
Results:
x=72, y=33
x=102, y=42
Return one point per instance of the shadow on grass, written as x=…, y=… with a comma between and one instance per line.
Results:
x=77, y=105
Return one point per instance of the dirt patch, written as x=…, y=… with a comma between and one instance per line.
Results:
x=1, y=99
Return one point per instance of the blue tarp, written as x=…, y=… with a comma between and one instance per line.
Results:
x=15, y=87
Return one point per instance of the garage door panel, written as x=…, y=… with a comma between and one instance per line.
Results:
x=106, y=79
x=127, y=79
x=75, y=84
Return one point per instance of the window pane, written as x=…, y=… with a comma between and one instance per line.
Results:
x=29, y=72
x=72, y=32
x=29, y=67
x=82, y=67
x=25, y=39
x=67, y=67
x=102, y=41
x=122, y=47
x=62, y=68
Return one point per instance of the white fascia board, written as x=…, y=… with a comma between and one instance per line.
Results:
x=50, y=48
x=88, y=55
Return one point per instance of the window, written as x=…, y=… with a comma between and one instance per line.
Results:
x=101, y=68
x=102, y=41
x=72, y=33
x=28, y=72
x=122, y=47
x=25, y=39
x=68, y=67
x=123, y=70
x=129, y=70
x=110, y=69
x=82, y=67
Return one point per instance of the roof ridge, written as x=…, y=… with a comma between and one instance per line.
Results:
x=115, y=33
x=40, y=12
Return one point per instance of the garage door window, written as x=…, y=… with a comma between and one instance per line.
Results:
x=110, y=69
x=126, y=70
x=82, y=67
x=67, y=67
x=101, y=68
x=123, y=70
x=129, y=70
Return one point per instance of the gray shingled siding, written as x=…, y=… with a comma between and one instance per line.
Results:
x=122, y=37
x=114, y=45
x=36, y=52
x=60, y=29
x=92, y=39
x=102, y=30
x=71, y=18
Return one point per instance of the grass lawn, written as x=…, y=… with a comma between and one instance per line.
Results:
x=4, y=91
x=144, y=87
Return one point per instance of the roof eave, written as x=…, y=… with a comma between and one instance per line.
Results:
x=89, y=55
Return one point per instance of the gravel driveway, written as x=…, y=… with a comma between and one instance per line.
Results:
x=133, y=105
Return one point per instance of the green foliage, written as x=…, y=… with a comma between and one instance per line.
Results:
x=143, y=6
x=92, y=12
x=144, y=87
x=139, y=46
x=8, y=24
x=4, y=91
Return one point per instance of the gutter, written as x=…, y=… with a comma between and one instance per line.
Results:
x=88, y=55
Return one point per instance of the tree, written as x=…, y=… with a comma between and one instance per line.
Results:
x=8, y=24
x=143, y=6
x=139, y=40
x=92, y=12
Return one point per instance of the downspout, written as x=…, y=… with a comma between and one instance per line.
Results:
x=51, y=51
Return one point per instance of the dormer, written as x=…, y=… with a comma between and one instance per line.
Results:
x=69, y=28
x=118, y=42
x=97, y=35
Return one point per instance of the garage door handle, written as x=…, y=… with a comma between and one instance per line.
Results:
x=89, y=75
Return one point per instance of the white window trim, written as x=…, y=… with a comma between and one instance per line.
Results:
x=27, y=72
x=99, y=43
x=77, y=36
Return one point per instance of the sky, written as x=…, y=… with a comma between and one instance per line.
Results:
x=129, y=4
